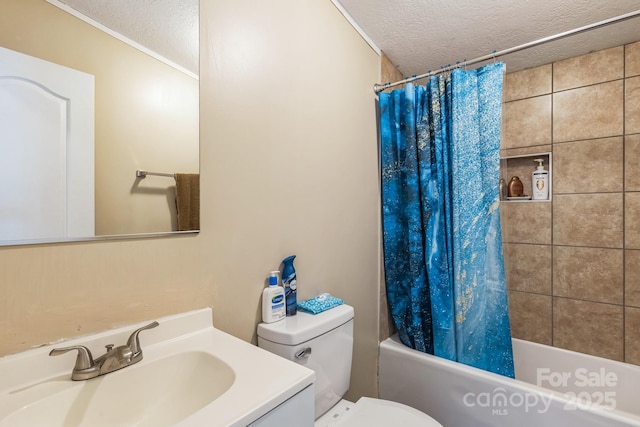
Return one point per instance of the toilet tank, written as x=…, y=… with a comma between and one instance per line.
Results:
x=322, y=342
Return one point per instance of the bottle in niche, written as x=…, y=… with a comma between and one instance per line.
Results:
x=540, y=182
x=515, y=187
x=503, y=189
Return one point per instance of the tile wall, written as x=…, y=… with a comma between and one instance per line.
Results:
x=573, y=263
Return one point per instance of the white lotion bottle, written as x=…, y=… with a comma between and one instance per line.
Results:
x=273, y=307
x=540, y=182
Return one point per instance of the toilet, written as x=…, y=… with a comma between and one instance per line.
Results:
x=324, y=342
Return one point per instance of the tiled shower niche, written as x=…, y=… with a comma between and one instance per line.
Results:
x=522, y=166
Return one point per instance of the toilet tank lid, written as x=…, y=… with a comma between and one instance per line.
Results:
x=294, y=330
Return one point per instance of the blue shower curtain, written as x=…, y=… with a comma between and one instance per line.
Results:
x=444, y=267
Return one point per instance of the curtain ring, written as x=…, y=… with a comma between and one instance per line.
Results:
x=494, y=56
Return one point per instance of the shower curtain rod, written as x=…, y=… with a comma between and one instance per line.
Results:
x=380, y=87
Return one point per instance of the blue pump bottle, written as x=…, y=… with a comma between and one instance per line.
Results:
x=290, y=285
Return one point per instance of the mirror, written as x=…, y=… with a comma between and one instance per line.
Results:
x=142, y=115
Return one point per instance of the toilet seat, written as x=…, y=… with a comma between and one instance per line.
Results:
x=368, y=412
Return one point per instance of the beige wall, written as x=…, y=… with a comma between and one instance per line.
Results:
x=288, y=165
x=572, y=263
x=146, y=113
x=291, y=134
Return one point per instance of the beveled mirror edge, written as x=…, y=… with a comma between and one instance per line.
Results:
x=134, y=236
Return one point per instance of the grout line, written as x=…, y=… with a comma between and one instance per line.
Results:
x=618, y=248
x=551, y=214
x=573, y=141
x=624, y=210
x=593, y=84
x=589, y=193
x=568, y=298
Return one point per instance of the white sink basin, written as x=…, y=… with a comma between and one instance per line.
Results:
x=187, y=377
x=162, y=392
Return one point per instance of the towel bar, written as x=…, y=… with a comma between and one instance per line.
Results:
x=143, y=174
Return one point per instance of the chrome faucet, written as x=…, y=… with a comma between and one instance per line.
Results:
x=115, y=358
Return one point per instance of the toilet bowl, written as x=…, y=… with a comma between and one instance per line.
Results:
x=324, y=342
x=369, y=412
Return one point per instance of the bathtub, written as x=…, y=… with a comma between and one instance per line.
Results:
x=553, y=387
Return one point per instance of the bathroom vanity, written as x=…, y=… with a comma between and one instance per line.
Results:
x=191, y=374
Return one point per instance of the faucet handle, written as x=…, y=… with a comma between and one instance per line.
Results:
x=134, y=343
x=84, y=360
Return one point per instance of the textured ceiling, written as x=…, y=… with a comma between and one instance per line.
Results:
x=423, y=35
x=167, y=27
